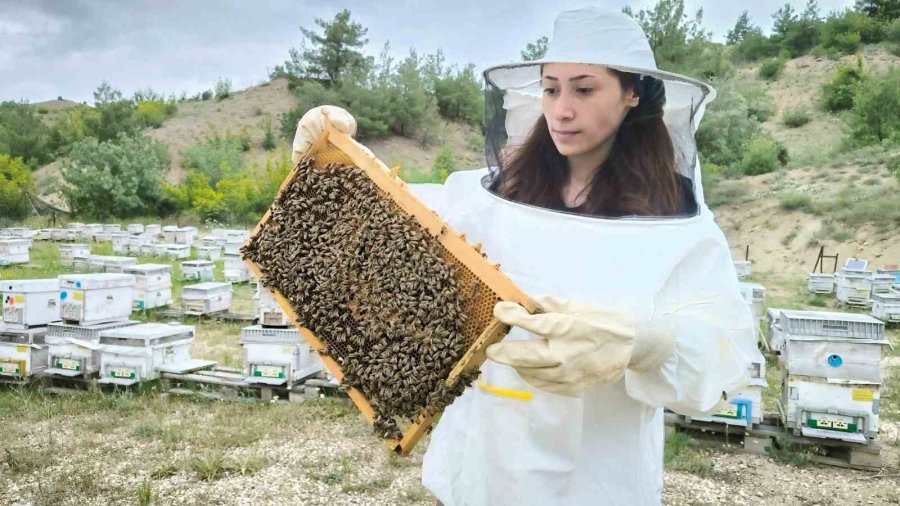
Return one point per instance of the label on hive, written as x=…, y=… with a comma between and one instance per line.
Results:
x=860, y=394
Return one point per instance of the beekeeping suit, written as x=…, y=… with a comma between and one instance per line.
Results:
x=668, y=281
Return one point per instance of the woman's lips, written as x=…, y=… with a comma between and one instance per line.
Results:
x=565, y=134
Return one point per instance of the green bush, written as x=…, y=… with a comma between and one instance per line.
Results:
x=755, y=46
x=223, y=88
x=794, y=118
x=725, y=128
x=115, y=179
x=150, y=113
x=760, y=155
x=218, y=156
x=759, y=103
x=875, y=117
x=846, y=30
x=847, y=42
x=444, y=163
x=770, y=69
x=15, y=185
x=24, y=135
x=839, y=93
x=796, y=201
x=268, y=141
x=892, y=32
x=893, y=166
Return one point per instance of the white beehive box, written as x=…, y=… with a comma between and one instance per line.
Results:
x=20, y=232
x=111, y=228
x=57, y=234
x=775, y=332
x=176, y=251
x=29, y=302
x=14, y=251
x=234, y=240
x=135, y=228
x=197, y=270
x=74, y=350
x=744, y=408
x=153, y=229
x=834, y=358
x=277, y=356
x=150, y=276
x=149, y=299
x=81, y=263
x=129, y=355
x=117, y=264
x=95, y=298
x=206, y=252
x=137, y=243
x=68, y=252
x=853, y=287
x=22, y=352
x=44, y=234
x=743, y=268
x=206, y=298
x=270, y=313
x=882, y=283
x=831, y=410
x=185, y=235
x=755, y=296
x=820, y=282
x=120, y=242
x=886, y=307
x=168, y=233
x=236, y=271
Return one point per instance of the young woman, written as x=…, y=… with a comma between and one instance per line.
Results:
x=592, y=195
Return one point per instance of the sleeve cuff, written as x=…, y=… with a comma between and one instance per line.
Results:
x=654, y=344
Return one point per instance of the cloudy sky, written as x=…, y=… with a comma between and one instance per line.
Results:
x=51, y=48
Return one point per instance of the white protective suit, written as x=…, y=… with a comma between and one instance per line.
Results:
x=505, y=443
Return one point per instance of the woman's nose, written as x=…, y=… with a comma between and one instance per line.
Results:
x=563, y=108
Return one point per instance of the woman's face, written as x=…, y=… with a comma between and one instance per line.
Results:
x=583, y=105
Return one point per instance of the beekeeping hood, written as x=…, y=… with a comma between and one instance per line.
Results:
x=591, y=36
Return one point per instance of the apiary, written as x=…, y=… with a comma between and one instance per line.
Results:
x=29, y=302
x=355, y=302
x=74, y=350
x=197, y=270
x=68, y=252
x=23, y=352
x=820, y=282
x=153, y=229
x=135, y=228
x=755, y=296
x=277, y=356
x=892, y=270
x=116, y=264
x=209, y=252
x=270, y=313
x=130, y=355
x=886, y=307
x=14, y=251
x=95, y=298
x=150, y=276
x=19, y=232
x=92, y=229
x=206, y=298
x=853, y=287
x=120, y=242
x=168, y=233
x=831, y=389
x=743, y=268
x=112, y=228
x=185, y=235
x=44, y=234
x=236, y=270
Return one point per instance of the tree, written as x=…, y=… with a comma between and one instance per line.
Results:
x=797, y=34
x=783, y=19
x=669, y=29
x=106, y=94
x=332, y=55
x=23, y=134
x=535, y=50
x=882, y=10
x=115, y=179
x=741, y=27
x=15, y=184
x=811, y=11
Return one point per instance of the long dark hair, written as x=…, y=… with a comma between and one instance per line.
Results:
x=637, y=178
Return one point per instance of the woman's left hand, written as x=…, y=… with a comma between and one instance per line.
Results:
x=579, y=346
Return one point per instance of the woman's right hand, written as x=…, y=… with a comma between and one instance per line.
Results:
x=311, y=125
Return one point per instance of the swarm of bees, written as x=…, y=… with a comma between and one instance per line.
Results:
x=372, y=284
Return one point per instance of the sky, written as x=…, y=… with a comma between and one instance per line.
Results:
x=51, y=48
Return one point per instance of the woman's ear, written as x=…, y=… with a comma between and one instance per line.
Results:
x=633, y=98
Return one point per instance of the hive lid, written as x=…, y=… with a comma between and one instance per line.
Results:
x=148, y=331
x=95, y=281
x=209, y=285
x=146, y=268
x=29, y=285
x=830, y=315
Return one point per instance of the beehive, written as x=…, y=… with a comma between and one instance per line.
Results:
x=478, y=284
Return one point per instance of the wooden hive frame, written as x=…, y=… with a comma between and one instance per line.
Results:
x=469, y=256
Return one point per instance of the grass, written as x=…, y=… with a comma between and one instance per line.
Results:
x=680, y=454
x=796, y=201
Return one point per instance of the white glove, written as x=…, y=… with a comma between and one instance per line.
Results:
x=580, y=345
x=312, y=124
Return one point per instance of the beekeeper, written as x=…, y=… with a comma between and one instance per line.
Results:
x=592, y=196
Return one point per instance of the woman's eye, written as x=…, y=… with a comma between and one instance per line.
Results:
x=549, y=91
x=584, y=90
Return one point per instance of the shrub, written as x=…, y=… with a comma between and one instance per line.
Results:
x=755, y=46
x=759, y=103
x=760, y=155
x=794, y=118
x=15, y=184
x=443, y=164
x=796, y=201
x=771, y=69
x=838, y=94
x=875, y=117
x=223, y=88
x=848, y=29
x=150, y=113
x=115, y=179
x=847, y=42
x=893, y=31
x=725, y=128
x=216, y=157
x=23, y=134
x=268, y=142
x=893, y=166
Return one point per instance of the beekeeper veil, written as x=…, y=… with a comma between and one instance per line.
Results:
x=592, y=36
